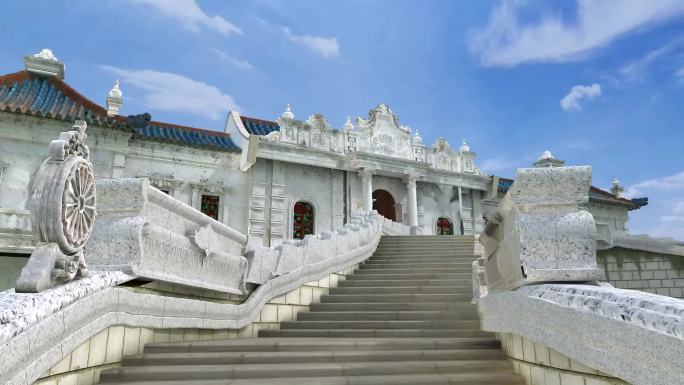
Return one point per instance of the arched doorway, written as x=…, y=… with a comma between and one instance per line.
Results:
x=303, y=220
x=444, y=226
x=383, y=203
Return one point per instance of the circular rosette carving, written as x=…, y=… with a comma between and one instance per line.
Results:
x=78, y=205
x=63, y=198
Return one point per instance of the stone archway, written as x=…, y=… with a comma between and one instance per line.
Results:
x=384, y=204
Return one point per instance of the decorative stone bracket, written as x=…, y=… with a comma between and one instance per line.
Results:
x=62, y=206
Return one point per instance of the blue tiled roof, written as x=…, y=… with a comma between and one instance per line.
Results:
x=189, y=136
x=49, y=97
x=258, y=126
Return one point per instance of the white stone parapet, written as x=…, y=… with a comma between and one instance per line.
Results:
x=542, y=238
x=315, y=252
x=146, y=233
x=635, y=336
x=541, y=233
x=38, y=330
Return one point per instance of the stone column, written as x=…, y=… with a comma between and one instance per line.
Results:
x=367, y=187
x=412, y=204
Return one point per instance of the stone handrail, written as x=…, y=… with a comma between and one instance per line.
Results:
x=632, y=335
x=146, y=233
x=37, y=330
x=325, y=248
x=390, y=227
x=543, y=239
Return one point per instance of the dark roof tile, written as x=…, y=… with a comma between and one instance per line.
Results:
x=259, y=126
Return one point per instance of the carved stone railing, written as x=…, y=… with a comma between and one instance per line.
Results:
x=540, y=239
x=390, y=227
x=147, y=233
x=317, y=253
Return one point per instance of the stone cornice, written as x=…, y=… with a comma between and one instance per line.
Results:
x=381, y=165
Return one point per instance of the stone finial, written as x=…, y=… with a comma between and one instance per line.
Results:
x=464, y=146
x=417, y=138
x=62, y=205
x=616, y=189
x=348, y=125
x=114, y=100
x=44, y=63
x=548, y=160
x=288, y=114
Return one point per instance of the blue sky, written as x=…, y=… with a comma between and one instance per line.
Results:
x=596, y=82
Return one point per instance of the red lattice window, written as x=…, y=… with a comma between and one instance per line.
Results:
x=303, y=223
x=210, y=206
x=444, y=227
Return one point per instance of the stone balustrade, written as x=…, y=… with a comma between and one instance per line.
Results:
x=37, y=330
x=390, y=227
x=147, y=233
x=540, y=281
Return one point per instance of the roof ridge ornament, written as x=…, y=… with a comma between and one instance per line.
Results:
x=548, y=160
x=114, y=100
x=348, y=125
x=616, y=189
x=417, y=139
x=44, y=63
x=464, y=146
x=288, y=114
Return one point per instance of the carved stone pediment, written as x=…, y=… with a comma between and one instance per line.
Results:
x=381, y=134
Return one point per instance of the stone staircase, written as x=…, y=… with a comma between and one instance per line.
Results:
x=404, y=317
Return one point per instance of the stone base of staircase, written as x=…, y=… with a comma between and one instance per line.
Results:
x=404, y=317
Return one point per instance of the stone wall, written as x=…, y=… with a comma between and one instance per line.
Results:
x=106, y=349
x=643, y=270
x=540, y=365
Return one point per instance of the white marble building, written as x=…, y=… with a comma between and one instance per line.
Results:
x=271, y=179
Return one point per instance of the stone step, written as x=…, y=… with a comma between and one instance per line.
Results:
x=374, y=264
x=484, y=378
x=218, y=358
x=394, y=275
x=418, y=254
x=323, y=344
x=381, y=325
x=407, y=282
x=377, y=333
x=401, y=290
x=284, y=370
x=417, y=270
x=376, y=315
x=460, y=307
x=424, y=257
x=403, y=298
x=460, y=262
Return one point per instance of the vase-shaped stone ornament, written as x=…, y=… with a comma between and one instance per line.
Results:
x=62, y=206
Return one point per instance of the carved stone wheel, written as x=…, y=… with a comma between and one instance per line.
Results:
x=78, y=204
x=69, y=216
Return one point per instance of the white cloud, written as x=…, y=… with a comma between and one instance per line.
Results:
x=570, y=102
x=167, y=91
x=505, y=41
x=325, y=46
x=189, y=14
x=634, y=71
x=667, y=183
x=235, y=62
x=680, y=75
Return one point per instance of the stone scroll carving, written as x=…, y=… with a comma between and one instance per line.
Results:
x=62, y=205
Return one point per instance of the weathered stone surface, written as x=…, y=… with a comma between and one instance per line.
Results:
x=144, y=232
x=83, y=308
x=638, y=337
x=543, y=234
x=62, y=206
